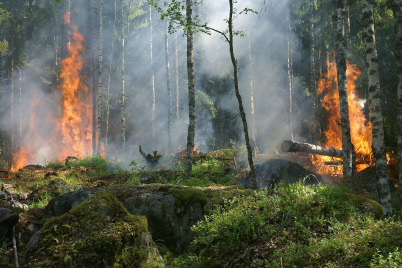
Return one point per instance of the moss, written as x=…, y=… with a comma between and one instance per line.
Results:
x=187, y=195
x=95, y=233
x=217, y=195
x=367, y=205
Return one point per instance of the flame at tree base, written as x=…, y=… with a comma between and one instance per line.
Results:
x=360, y=127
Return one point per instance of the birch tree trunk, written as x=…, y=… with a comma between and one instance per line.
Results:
x=11, y=77
x=109, y=79
x=122, y=99
x=376, y=118
x=169, y=91
x=397, y=8
x=312, y=57
x=252, y=89
x=152, y=75
x=92, y=86
x=177, y=79
x=340, y=44
x=191, y=89
x=20, y=108
x=99, y=91
x=239, y=98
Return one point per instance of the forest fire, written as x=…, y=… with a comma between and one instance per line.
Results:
x=360, y=126
x=72, y=128
x=74, y=125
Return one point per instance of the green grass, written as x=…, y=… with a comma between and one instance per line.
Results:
x=97, y=166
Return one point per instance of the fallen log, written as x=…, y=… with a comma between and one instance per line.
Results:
x=293, y=146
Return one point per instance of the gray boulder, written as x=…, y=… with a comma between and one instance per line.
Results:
x=63, y=203
x=8, y=219
x=273, y=171
x=171, y=211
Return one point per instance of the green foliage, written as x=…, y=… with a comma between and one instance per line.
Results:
x=186, y=196
x=206, y=172
x=56, y=165
x=393, y=260
x=297, y=225
x=5, y=255
x=98, y=166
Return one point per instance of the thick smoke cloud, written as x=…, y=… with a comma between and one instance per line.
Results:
x=268, y=35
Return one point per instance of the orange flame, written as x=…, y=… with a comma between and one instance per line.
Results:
x=360, y=128
x=76, y=121
x=72, y=134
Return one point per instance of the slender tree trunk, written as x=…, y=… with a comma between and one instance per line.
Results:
x=20, y=108
x=312, y=57
x=69, y=20
x=56, y=45
x=377, y=124
x=397, y=8
x=347, y=26
x=169, y=91
x=340, y=42
x=290, y=77
x=122, y=100
x=11, y=77
x=109, y=80
x=238, y=96
x=323, y=48
x=177, y=79
x=100, y=75
x=152, y=75
x=191, y=89
x=252, y=89
x=93, y=73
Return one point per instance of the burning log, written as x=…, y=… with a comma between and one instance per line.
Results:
x=152, y=159
x=293, y=146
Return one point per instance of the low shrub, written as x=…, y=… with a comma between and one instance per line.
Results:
x=296, y=226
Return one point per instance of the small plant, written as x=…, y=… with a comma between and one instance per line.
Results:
x=393, y=260
x=56, y=165
x=98, y=166
x=136, y=171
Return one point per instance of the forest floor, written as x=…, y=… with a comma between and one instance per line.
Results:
x=279, y=226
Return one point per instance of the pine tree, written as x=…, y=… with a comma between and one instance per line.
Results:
x=397, y=8
x=191, y=89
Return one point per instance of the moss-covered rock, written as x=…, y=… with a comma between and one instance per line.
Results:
x=273, y=171
x=55, y=187
x=170, y=210
x=96, y=233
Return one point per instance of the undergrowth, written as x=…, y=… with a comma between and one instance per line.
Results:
x=296, y=226
x=97, y=166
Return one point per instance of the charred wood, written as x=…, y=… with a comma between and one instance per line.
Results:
x=152, y=159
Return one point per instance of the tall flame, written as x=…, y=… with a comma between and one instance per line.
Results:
x=76, y=120
x=360, y=128
x=72, y=133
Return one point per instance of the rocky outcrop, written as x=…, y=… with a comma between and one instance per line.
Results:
x=53, y=188
x=63, y=203
x=99, y=232
x=8, y=219
x=273, y=171
x=170, y=210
